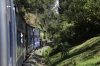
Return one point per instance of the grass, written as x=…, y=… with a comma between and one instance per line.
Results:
x=91, y=61
x=55, y=58
x=86, y=54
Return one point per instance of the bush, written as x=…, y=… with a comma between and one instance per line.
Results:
x=46, y=57
x=64, y=48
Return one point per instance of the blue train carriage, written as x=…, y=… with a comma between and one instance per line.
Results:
x=12, y=31
x=21, y=38
x=36, y=38
x=43, y=40
x=30, y=38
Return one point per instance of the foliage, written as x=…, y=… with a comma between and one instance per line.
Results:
x=64, y=48
x=32, y=6
x=83, y=17
x=64, y=5
x=46, y=57
x=67, y=32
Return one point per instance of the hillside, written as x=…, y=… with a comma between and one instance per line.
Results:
x=85, y=54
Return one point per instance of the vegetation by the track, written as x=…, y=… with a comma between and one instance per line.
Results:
x=85, y=54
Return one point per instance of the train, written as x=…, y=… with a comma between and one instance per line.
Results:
x=17, y=38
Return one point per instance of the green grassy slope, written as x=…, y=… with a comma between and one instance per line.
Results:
x=86, y=54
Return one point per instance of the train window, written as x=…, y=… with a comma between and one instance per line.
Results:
x=22, y=38
x=18, y=42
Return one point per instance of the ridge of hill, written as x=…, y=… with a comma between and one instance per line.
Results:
x=85, y=54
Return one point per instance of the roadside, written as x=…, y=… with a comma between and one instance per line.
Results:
x=35, y=59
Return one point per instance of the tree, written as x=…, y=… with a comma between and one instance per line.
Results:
x=32, y=6
x=84, y=16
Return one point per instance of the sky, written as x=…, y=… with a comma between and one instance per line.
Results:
x=56, y=5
